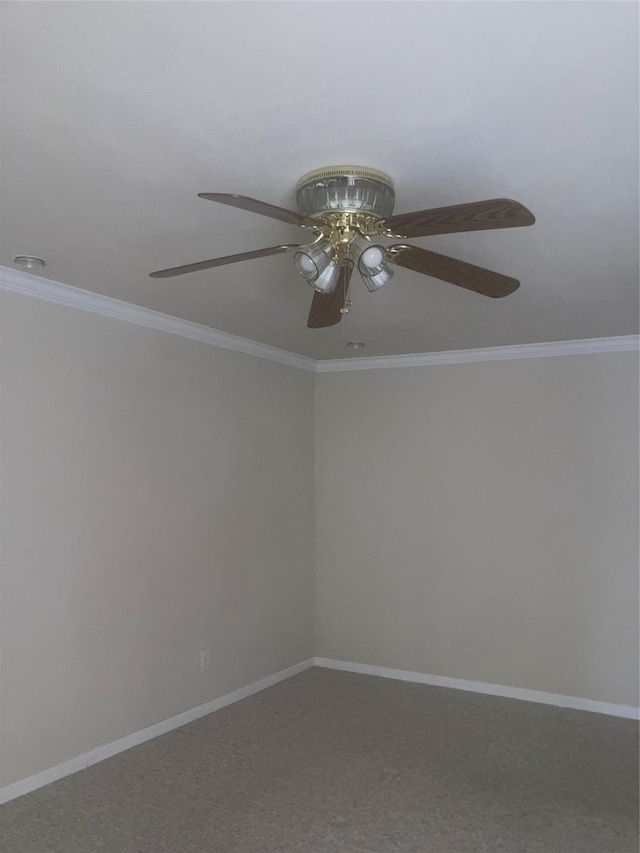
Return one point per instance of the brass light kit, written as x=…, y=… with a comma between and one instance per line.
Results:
x=349, y=209
x=348, y=203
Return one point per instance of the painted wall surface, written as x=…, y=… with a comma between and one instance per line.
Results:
x=476, y=521
x=480, y=521
x=157, y=501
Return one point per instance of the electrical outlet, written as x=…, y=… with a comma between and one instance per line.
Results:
x=204, y=660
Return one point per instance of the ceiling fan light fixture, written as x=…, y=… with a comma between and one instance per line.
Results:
x=377, y=279
x=369, y=257
x=312, y=260
x=327, y=280
x=371, y=261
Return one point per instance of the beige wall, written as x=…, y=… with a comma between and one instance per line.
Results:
x=480, y=521
x=157, y=501
x=476, y=521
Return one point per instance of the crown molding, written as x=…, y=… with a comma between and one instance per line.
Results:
x=623, y=343
x=17, y=281
x=25, y=283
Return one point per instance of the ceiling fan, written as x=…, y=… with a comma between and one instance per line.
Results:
x=348, y=209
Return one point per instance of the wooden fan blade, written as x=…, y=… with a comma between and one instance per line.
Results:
x=325, y=307
x=262, y=208
x=220, y=262
x=476, y=216
x=483, y=281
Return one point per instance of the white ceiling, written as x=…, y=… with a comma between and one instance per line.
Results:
x=116, y=114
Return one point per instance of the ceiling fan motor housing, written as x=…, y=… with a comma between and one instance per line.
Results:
x=345, y=189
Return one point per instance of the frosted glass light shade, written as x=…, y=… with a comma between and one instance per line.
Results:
x=368, y=257
x=377, y=280
x=371, y=261
x=327, y=280
x=313, y=259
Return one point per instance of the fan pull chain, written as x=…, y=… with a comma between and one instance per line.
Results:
x=347, y=302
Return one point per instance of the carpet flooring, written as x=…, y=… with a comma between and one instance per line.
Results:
x=331, y=762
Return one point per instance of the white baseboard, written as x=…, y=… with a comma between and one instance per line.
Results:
x=576, y=702
x=80, y=762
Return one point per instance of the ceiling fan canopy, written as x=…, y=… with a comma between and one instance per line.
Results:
x=349, y=210
x=346, y=188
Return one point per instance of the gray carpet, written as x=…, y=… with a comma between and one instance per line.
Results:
x=330, y=762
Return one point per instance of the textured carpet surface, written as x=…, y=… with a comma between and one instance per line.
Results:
x=331, y=762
